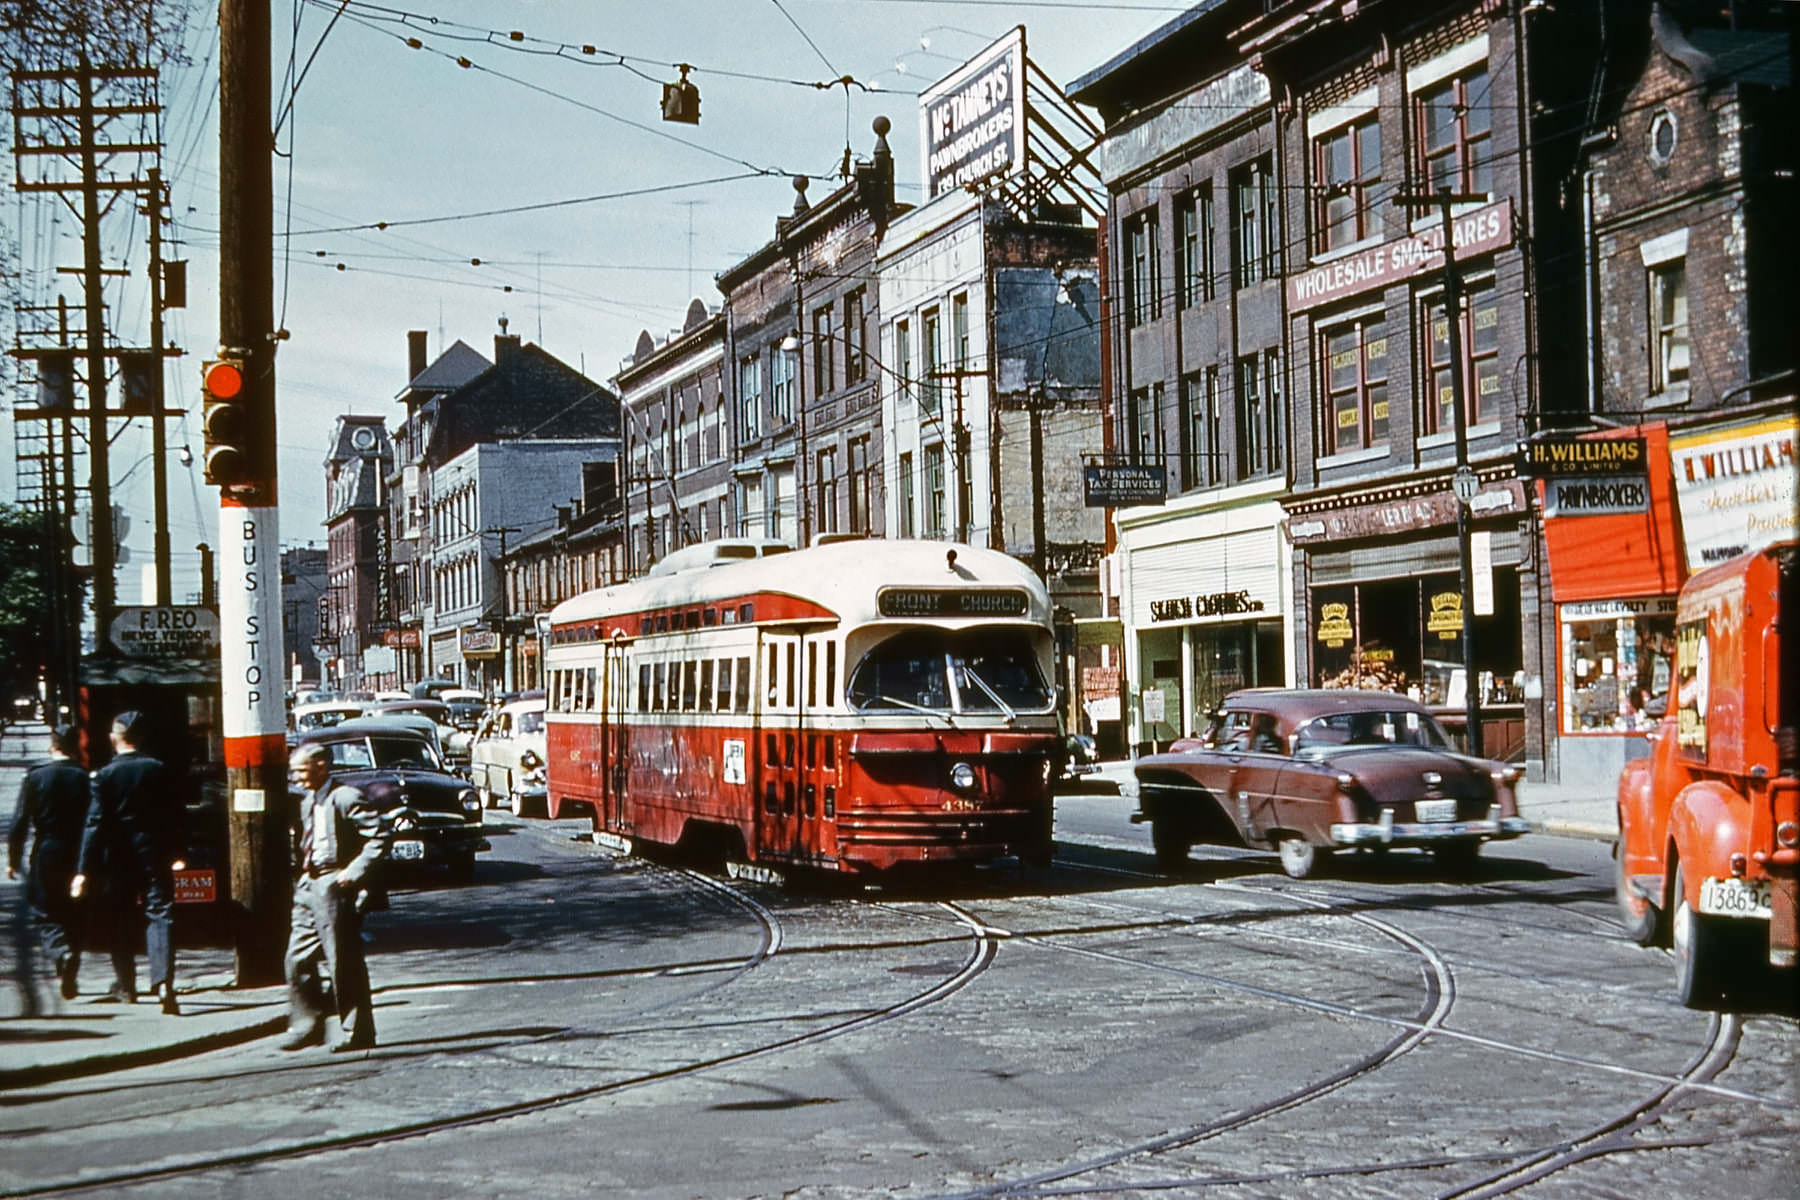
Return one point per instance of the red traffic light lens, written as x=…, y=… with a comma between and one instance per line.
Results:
x=223, y=380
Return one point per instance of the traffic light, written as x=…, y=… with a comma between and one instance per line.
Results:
x=226, y=424
x=681, y=100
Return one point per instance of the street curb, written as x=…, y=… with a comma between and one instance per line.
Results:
x=102, y=1064
x=1586, y=830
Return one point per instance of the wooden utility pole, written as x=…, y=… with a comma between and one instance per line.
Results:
x=1464, y=483
x=251, y=679
x=100, y=539
x=159, y=448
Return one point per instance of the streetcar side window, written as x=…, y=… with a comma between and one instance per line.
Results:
x=812, y=674
x=772, y=681
x=743, y=684
x=690, y=684
x=830, y=674
x=643, y=699
x=656, y=688
x=788, y=667
x=724, y=684
x=593, y=688
x=706, y=685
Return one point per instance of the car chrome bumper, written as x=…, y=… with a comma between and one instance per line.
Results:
x=1393, y=833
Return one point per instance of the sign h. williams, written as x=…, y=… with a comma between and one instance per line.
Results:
x=972, y=122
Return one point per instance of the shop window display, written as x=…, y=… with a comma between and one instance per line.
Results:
x=1616, y=664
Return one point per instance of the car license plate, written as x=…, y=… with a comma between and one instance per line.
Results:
x=1435, y=811
x=409, y=849
x=1736, y=897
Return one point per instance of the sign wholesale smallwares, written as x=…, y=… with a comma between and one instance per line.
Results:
x=1477, y=232
x=972, y=122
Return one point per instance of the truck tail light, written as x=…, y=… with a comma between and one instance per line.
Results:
x=1788, y=834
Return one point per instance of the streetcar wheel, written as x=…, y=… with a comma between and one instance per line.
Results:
x=1700, y=953
x=1297, y=857
x=1456, y=858
x=1640, y=917
x=1170, y=844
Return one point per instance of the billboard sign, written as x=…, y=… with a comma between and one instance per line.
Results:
x=165, y=631
x=1736, y=488
x=972, y=121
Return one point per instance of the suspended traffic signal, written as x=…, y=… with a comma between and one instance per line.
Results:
x=681, y=100
x=225, y=422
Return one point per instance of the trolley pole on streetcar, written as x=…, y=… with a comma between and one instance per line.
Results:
x=1463, y=483
x=242, y=461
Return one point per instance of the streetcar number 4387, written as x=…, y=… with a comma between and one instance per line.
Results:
x=1735, y=897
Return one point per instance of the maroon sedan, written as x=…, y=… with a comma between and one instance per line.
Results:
x=1310, y=771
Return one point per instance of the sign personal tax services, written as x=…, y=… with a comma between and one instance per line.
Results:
x=972, y=122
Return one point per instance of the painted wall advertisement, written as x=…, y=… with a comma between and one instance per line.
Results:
x=972, y=122
x=1736, y=488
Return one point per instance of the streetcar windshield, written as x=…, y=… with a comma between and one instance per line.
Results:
x=969, y=671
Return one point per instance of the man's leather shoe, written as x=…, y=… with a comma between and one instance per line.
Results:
x=66, y=969
x=119, y=995
x=170, y=1006
x=352, y=1045
x=303, y=1038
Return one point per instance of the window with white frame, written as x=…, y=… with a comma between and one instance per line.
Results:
x=1143, y=268
x=781, y=387
x=1356, y=370
x=1669, y=314
x=749, y=398
x=1478, y=332
x=934, y=491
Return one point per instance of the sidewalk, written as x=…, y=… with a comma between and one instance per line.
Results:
x=1552, y=808
x=45, y=1039
x=69, y=1039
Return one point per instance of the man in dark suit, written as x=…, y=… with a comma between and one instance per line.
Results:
x=342, y=838
x=53, y=803
x=134, y=834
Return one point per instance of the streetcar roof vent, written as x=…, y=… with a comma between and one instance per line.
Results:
x=717, y=554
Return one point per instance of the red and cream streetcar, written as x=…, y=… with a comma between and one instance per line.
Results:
x=857, y=706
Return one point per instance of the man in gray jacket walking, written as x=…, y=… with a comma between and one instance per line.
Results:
x=342, y=837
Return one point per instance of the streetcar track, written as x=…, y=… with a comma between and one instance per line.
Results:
x=1724, y=1034
x=1440, y=995
x=983, y=946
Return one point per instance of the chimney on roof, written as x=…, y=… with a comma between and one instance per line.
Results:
x=505, y=346
x=415, y=353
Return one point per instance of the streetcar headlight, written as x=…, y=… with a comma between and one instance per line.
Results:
x=962, y=777
x=530, y=760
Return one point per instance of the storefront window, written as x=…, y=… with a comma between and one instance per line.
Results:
x=1616, y=663
x=1405, y=635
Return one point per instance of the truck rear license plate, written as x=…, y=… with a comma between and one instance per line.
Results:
x=1435, y=811
x=409, y=849
x=1736, y=897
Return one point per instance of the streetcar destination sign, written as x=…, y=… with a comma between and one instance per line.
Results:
x=952, y=602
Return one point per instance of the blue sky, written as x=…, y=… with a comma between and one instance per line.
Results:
x=380, y=131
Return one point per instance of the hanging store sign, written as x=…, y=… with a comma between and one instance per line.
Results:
x=972, y=122
x=1123, y=485
x=1736, y=489
x=165, y=631
x=1478, y=232
x=1595, y=496
x=479, y=641
x=1446, y=616
x=1334, y=628
x=1561, y=455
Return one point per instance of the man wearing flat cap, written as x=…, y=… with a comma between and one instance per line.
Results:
x=134, y=835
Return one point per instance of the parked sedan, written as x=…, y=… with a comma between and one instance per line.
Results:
x=398, y=767
x=1306, y=772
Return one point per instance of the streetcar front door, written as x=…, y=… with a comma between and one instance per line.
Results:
x=614, y=741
